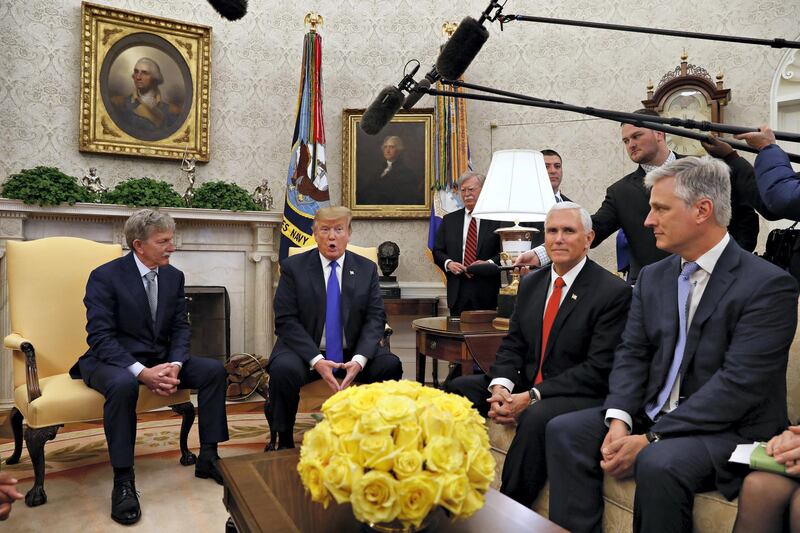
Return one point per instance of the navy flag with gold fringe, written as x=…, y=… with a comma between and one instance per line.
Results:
x=307, y=179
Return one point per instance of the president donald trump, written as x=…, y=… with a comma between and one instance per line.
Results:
x=329, y=320
x=701, y=367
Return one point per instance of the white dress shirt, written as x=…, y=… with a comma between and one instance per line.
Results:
x=569, y=278
x=326, y=271
x=699, y=280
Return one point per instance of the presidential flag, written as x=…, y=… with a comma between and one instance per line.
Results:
x=451, y=153
x=307, y=179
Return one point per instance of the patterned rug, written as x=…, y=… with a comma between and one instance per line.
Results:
x=78, y=480
x=73, y=448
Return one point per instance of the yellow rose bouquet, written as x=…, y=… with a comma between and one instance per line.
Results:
x=395, y=451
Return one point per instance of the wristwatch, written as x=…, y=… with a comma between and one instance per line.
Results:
x=652, y=436
x=534, y=399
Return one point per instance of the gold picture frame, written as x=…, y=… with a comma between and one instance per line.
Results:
x=373, y=189
x=124, y=53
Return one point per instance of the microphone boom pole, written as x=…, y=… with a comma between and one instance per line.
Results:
x=620, y=115
x=774, y=43
x=642, y=121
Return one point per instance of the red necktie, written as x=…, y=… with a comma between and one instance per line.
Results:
x=550, y=313
x=471, y=248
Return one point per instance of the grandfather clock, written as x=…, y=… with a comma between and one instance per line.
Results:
x=688, y=92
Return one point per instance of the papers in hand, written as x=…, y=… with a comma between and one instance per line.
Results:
x=756, y=456
x=743, y=452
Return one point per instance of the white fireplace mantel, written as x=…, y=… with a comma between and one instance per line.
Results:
x=214, y=247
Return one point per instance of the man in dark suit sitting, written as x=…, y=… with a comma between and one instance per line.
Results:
x=701, y=367
x=463, y=240
x=329, y=320
x=558, y=351
x=138, y=332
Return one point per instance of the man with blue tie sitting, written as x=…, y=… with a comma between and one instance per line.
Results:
x=701, y=367
x=329, y=320
x=138, y=332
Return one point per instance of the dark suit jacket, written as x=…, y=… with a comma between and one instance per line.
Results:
x=778, y=184
x=119, y=329
x=538, y=237
x=449, y=244
x=734, y=365
x=580, y=348
x=627, y=204
x=300, y=307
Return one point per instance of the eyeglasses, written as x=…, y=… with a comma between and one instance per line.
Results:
x=465, y=190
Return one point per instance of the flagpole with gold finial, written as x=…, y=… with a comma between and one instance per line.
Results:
x=312, y=20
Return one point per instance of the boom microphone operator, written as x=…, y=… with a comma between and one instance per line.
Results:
x=387, y=104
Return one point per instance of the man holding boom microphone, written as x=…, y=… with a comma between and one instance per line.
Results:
x=626, y=203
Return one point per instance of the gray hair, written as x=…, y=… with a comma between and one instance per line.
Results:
x=468, y=175
x=586, y=218
x=144, y=223
x=397, y=141
x=155, y=71
x=696, y=178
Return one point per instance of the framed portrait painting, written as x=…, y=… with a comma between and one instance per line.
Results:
x=388, y=175
x=144, y=85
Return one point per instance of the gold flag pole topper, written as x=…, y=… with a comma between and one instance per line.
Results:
x=449, y=28
x=313, y=19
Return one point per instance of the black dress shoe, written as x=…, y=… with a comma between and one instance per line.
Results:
x=125, y=503
x=271, y=447
x=205, y=469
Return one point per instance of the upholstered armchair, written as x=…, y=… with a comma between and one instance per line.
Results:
x=46, y=285
x=314, y=394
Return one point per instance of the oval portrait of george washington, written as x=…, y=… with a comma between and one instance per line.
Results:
x=146, y=86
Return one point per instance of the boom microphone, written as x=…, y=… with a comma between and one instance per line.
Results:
x=381, y=111
x=388, y=102
x=230, y=9
x=461, y=48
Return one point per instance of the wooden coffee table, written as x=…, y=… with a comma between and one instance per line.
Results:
x=263, y=492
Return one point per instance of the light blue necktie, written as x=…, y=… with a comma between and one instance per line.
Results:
x=684, y=300
x=333, y=319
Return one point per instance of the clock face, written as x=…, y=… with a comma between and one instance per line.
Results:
x=686, y=104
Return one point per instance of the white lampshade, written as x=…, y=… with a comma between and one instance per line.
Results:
x=517, y=188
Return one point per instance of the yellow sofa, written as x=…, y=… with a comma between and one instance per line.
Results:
x=712, y=512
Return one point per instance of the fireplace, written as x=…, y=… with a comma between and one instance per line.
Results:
x=209, y=313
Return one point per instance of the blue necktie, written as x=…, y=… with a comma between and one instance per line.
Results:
x=333, y=319
x=684, y=299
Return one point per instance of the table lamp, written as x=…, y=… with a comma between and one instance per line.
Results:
x=517, y=189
